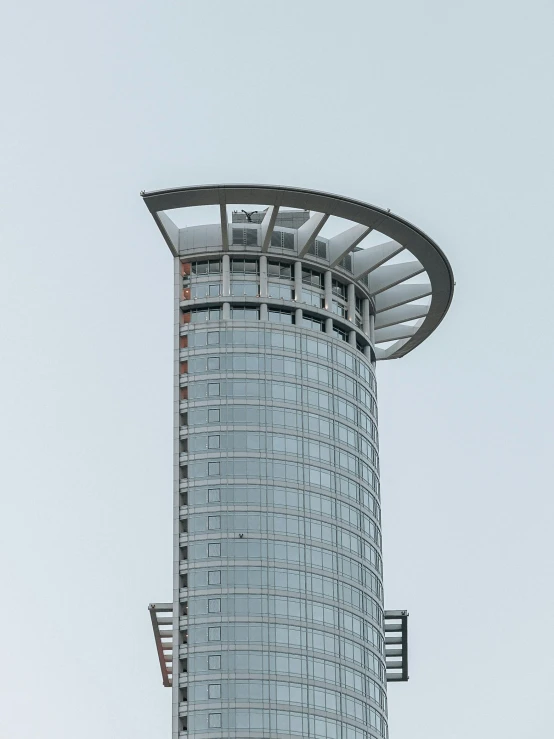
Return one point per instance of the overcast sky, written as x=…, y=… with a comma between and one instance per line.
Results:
x=440, y=111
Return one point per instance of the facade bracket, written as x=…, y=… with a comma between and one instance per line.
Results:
x=161, y=614
x=396, y=646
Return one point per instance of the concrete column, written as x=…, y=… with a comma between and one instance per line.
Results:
x=328, y=287
x=351, y=309
x=367, y=352
x=263, y=312
x=329, y=326
x=263, y=276
x=226, y=275
x=298, y=316
x=365, y=316
x=298, y=281
x=372, y=329
x=226, y=311
x=352, y=338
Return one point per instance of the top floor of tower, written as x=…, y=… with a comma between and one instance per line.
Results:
x=401, y=271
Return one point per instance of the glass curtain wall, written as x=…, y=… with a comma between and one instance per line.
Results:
x=280, y=570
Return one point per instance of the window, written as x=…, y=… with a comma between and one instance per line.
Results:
x=205, y=290
x=245, y=266
x=245, y=314
x=314, y=323
x=214, y=720
x=214, y=662
x=214, y=549
x=245, y=236
x=249, y=288
x=280, y=291
x=209, y=267
x=214, y=577
x=213, y=337
x=214, y=495
x=214, y=522
x=214, y=691
x=213, y=363
x=339, y=333
x=213, y=388
x=346, y=262
x=199, y=315
x=318, y=248
x=339, y=309
x=281, y=270
x=288, y=240
x=213, y=415
x=282, y=239
x=214, y=605
x=310, y=277
x=213, y=468
x=280, y=316
x=311, y=297
x=214, y=633
x=213, y=442
x=339, y=289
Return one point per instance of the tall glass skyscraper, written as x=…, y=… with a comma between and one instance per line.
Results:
x=277, y=626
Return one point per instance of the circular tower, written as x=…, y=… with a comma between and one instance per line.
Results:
x=277, y=625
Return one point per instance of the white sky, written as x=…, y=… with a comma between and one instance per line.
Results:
x=442, y=112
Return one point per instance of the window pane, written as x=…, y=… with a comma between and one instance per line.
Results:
x=280, y=291
x=214, y=690
x=288, y=240
x=213, y=468
x=214, y=720
x=245, y=287
x=214, y=605
x=214, y=662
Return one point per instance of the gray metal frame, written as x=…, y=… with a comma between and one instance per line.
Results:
x=396, y=645
x=163, y=639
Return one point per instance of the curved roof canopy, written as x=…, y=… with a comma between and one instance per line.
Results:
x=401, y=320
